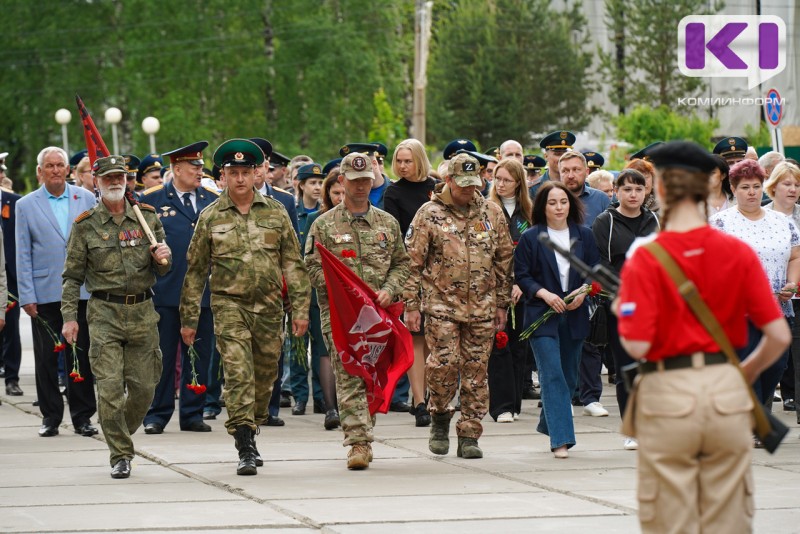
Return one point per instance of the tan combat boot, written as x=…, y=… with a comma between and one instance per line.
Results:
x=360, y=456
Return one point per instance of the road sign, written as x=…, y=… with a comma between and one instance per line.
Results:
x=773, y=107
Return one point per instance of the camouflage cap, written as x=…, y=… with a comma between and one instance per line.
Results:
x=356, y=165
x=464, y=170
x=108, y=165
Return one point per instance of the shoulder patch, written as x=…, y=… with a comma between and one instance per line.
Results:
x=153, y=189
x=82, y=216
x=147, y=207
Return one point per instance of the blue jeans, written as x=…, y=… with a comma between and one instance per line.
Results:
x=765, y=384
x=557, y=359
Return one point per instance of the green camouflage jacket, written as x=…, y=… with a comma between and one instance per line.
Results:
x=375, y=241
x=248, y=256
x=110, y=257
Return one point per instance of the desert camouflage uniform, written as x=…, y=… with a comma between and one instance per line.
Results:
x=461, y=259
x=382, y=263
x=123, y=346
x=249, y=256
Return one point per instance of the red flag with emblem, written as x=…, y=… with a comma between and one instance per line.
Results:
x=372, y=342
x=94, y=143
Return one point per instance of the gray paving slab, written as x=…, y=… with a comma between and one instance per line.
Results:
x=560, y=525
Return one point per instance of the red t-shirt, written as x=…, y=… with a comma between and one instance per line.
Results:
x=728, y=275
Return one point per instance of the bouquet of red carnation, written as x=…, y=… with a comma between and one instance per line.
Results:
x=500, y=340
x=75, y=375
x=593, y=290
x=198, y=389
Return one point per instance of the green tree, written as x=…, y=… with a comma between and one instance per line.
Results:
x=643, y=67
x=498, y=72
x=644, y=125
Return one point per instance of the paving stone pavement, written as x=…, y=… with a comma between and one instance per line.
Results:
x=184, y=481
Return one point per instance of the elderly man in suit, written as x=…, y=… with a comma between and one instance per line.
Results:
x=10, y=345
x=44, y=222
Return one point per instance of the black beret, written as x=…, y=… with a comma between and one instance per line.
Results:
x=682, y=155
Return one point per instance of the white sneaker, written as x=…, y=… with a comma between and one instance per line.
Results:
x=535, y=379
x=505, y=417
x=595, y=409
x=516, y=417
x=630, y=444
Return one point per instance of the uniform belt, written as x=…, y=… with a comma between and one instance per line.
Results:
x=684, y=361
x=123, y=299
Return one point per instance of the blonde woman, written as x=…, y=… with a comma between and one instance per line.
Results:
x=402, y=200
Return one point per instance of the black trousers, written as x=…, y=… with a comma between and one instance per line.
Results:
x=82, y=402
x=10, y=345
x=507, y=370
x=621, y=359
x=590, y=384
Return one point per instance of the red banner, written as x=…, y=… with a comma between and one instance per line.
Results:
x=372, y=342
x=94, y=143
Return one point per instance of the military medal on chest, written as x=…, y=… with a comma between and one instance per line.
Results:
x=130, y=238
x=381, y=239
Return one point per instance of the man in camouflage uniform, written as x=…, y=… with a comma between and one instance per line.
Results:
x=249, y=244
x=109, y=251
x=381, y=261
x=461, y=254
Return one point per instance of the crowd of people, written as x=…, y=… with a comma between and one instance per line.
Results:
x=160, y=278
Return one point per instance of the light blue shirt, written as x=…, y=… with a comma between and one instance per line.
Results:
x=60, y=207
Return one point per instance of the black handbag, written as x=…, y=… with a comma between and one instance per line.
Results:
x=598, y=322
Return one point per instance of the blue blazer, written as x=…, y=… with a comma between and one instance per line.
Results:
x=8, y=219
x=287, y=199
x=178, y=222
x=535, y=268
x=41, y=247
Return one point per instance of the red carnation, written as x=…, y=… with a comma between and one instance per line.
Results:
x=501, y=340
x=78, y=379
x=58, y=347
x=595, y=290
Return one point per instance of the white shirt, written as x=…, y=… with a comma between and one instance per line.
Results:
x=561, y=237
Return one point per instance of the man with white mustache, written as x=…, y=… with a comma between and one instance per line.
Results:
x=108, y=249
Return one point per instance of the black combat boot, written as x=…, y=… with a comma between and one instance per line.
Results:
x=259, y=461
x=245, y=444
x=439, y=442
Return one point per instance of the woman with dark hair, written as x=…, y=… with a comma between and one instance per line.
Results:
x=649, y=173
x=776, y=241
x=615, y=230
x=509, y=190
x=690, y=408
x=547, y=282
x=720, y=195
